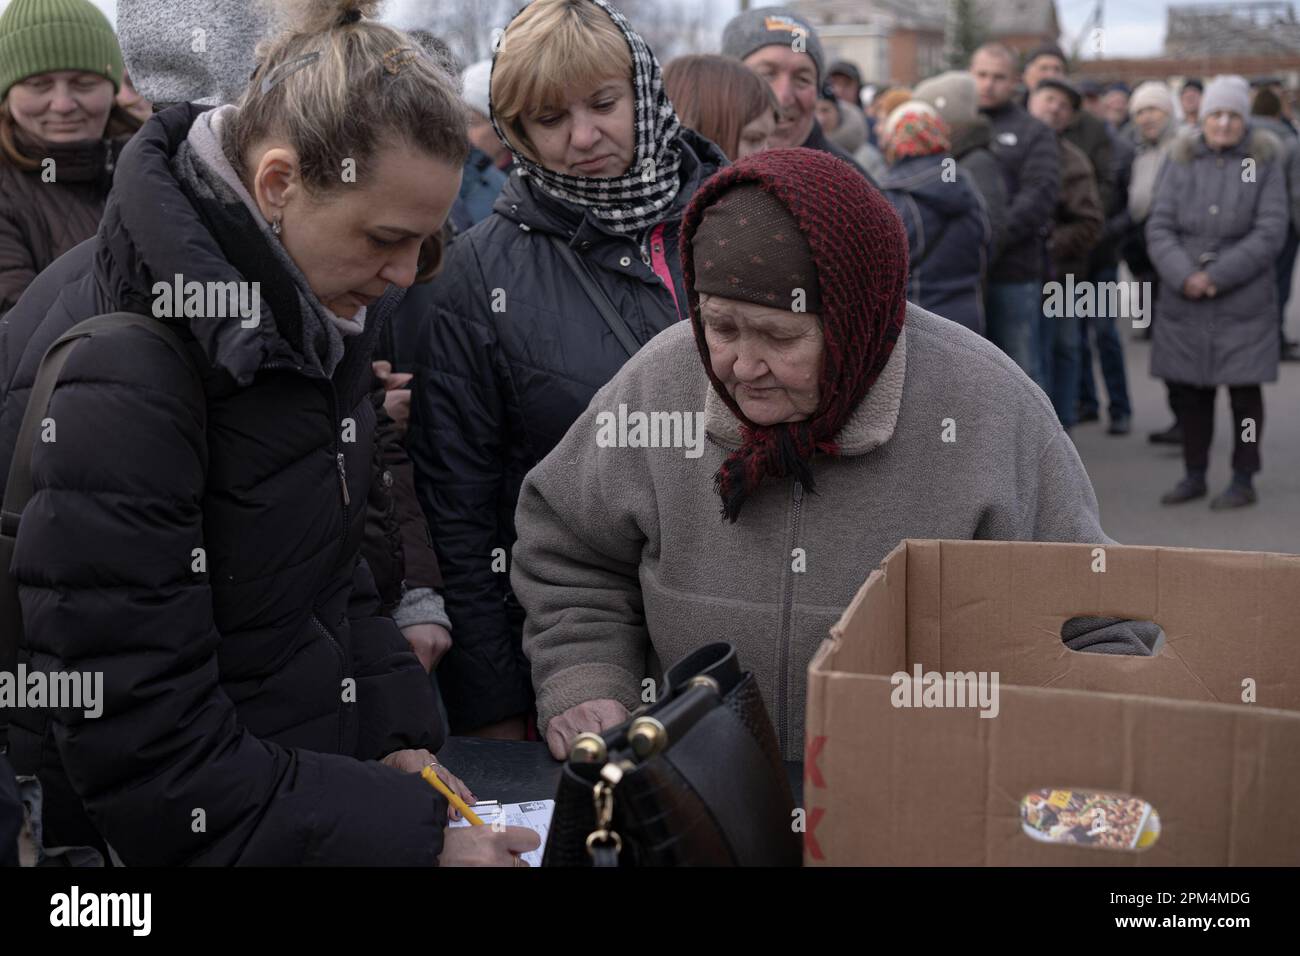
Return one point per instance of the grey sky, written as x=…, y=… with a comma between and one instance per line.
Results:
x=1132, y=27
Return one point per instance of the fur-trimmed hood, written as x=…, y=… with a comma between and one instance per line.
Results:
x=1257, y=144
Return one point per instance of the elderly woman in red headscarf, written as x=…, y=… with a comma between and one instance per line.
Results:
x=824, y=416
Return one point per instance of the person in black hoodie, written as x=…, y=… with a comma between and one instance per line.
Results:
x=1031, y=160
x=514, y=348
x=196, y=542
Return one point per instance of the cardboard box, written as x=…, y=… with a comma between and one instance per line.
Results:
x=892, y=785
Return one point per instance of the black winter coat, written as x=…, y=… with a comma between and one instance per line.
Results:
x=1031, y=160
x=948, y=237
x=970, y=147
x=513, y=352
x=225, y=690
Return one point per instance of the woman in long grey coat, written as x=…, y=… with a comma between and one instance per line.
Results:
x=1214, y=233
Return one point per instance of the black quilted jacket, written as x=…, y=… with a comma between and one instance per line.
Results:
x=261, y=689
x=512, y=352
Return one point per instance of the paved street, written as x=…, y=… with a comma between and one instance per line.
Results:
x=1130, y=474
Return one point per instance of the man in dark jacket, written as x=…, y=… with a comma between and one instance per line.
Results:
x=1095, y=138
x=1085, y=130
x=1103, y=267
x=262, y=682
x=499, y=379
x=1076, y=228
x=783, y=48
x=846, y=80
x=1031, y=160
x=954, y=96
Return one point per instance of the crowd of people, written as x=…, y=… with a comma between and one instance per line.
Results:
x=389, y=471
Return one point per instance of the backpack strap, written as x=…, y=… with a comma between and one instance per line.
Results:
x=18, y=489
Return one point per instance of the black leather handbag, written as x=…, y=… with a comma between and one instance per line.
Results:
x=695, y=779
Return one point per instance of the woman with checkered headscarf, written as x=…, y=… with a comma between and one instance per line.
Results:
x=538, y=306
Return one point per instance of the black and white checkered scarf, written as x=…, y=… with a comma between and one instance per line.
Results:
x=639, y=198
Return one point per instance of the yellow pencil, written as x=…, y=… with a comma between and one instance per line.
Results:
x=433, y=780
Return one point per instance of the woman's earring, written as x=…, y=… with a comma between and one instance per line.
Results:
x=275, y=228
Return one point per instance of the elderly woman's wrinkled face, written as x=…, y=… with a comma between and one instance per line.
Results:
x=769, y=360
x=590, y=134
x=64, y=106
x=1223, y=129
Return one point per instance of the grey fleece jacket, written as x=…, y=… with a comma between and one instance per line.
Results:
x=623, y=561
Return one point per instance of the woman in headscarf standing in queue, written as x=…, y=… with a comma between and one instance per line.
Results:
x=538, y=306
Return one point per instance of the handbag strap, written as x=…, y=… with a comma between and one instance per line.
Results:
x=597, y=296
x=18, y=488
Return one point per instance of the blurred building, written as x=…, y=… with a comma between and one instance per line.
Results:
x=904, y=41
x=1254, y=39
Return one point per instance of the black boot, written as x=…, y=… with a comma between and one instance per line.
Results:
x=1173, y=435
x=1238, y=494
x=1190, y=488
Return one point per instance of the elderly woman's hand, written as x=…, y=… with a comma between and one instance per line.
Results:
x=594, y=715
x=1197, y=285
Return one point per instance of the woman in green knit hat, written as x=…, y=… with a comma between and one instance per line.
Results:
x=60, y=132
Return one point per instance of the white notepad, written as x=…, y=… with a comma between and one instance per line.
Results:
x=534, y=814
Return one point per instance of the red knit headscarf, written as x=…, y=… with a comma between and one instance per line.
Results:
x=859, y=248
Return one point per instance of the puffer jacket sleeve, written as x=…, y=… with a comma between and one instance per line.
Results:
x=1040, y=184
x=395, y=698
x=17, y=270
x=991, y=188
x=105, y=563
x=1254, y=253
x=460, y=444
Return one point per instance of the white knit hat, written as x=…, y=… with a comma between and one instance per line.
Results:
x=477, y=79
x=1228, y=92
x=1151, y=93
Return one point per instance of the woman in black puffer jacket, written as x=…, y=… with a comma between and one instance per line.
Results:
x=200, y=551
x=513, y=348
